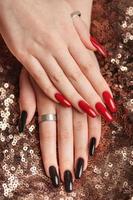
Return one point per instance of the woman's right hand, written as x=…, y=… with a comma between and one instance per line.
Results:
x=49, y=43
x=70, y=139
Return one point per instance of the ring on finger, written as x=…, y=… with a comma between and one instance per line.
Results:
x=47, y=117
x=76, y=13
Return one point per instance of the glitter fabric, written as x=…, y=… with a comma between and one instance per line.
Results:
x=110, y=173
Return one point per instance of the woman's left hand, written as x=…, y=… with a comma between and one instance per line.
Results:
x=71, y=138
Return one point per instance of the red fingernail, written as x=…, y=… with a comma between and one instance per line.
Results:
x=86, y=108
x=98, y=46
x=62, y=100
x=103, y=111
x=108, y=99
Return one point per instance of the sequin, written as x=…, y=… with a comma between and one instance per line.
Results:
x=6, y=85
x=22, y=172
x=25, y=148
x=106, y=174
x=129, y=11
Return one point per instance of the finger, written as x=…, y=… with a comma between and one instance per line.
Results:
x=90, y=68
x=82, y=85
x=97, y=79
x=80, y=142
x=27, y=100
x=39, y=75
x=47, y=133
x=89, y=41
x=60, y=80
x=85, y=10
x=94, y=129
x=65, y=146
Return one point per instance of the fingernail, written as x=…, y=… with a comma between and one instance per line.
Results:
x=103, y=111
x=79, y=168
x=108, y=99
x=22, y=121
x=68, y=181
x=62, y=100
x=54, y=176
x=98, y=46
x=92, y=146
x=86, y=108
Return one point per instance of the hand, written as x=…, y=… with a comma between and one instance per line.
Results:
x=50, y=44
x=77, y=135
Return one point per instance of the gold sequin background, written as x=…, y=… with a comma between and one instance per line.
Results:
x=110, y=173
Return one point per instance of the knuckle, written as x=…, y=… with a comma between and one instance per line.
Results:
x=79, y=125
x=57, y=78
x=75, y=76
x=66, y=135
x=48, y=40
x=36, y=73
x=48, y=89
x=21, y=54
x=86, y=65
x=45, y=88
x=86, y=68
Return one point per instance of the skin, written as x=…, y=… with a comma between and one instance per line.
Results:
x=57, y=61
x=74, y=128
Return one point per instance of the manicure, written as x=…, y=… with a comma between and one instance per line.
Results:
x=68, y=181
x=54, y=176
x=22, y=121
x=92, y=146
x=62, y=100
x=98, y=46
x=86, y=108
x=108, y=99
x=103, y=111
x=79, y=168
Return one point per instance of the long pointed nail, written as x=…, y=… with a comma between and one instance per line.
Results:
x=68, y=181
x=108, y=99
x=54, y=176
x=22, y=121
x=86, y=108
x=103, y=111
x=62, y=100
x=98, y=46
x=92, y=146
x=79, y=168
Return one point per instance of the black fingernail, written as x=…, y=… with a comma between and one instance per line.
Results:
x=54, y=176
x=79, y=168
x=92, y=146
x=68, y=181
x=22, y=121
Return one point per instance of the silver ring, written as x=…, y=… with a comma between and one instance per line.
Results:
x=47, y=117
x=76, y=13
